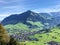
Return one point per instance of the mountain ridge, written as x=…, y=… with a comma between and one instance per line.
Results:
x=34, y=17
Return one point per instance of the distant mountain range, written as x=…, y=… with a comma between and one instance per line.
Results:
x=47, y=19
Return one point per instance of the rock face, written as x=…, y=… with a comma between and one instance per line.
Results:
x=4, y=37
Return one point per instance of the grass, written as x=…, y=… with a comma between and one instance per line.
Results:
x=39, y=24
x=54, y=35
x=17, y=26
x=12, y=29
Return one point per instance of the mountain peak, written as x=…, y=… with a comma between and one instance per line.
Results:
x=29, y=11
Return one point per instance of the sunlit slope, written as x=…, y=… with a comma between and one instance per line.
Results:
x=44, y=38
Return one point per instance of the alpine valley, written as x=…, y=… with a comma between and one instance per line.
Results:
x=31, y=28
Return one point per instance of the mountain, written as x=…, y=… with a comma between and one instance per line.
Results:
x=24, y=17
x=53, y=18
x=55, y=14
x=47, y=19
x=32, y=27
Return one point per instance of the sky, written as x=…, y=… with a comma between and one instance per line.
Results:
x=8, y=7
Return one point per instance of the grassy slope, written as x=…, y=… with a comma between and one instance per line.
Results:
x=23, y=27
x=54, y=35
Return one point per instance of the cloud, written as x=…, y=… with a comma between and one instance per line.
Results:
x=5, y=1
x=10, y=1
x=2, y=16
x=16, y=0
x=55, y=8
x=9, y=7
x=2, y=2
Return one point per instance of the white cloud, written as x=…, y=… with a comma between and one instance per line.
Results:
x=10, y=1
x=13, y=7
x=55, y=8
x=16, y=0
x=2, y=16
x=1, y=1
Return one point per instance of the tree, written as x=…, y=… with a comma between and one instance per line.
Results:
x=12, y=41
x=4, y=37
